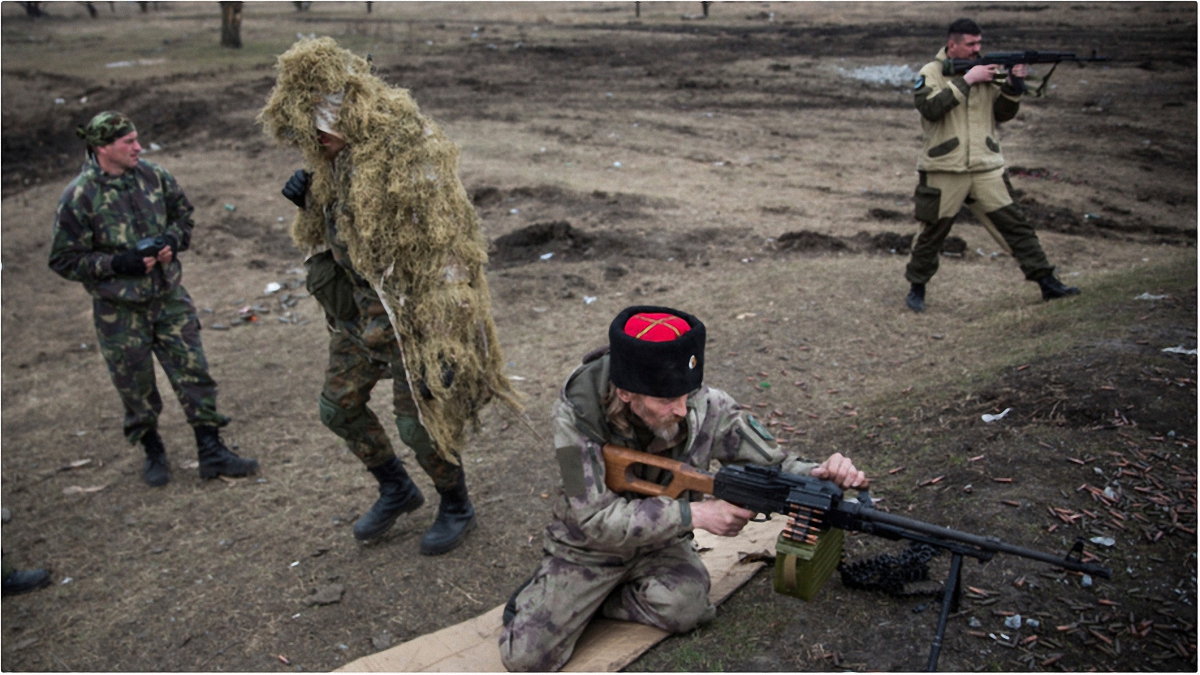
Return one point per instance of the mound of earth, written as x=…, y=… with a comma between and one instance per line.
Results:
x=863, y=242
x=805, y=240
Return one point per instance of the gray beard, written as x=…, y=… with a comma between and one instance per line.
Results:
x=667, y=433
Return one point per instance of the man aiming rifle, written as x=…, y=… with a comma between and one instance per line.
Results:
x=961, y=162
x=621, y=554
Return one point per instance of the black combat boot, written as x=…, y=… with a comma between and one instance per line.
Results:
x=916, y=298
x=24, y=581
x=397, y=495
x=216, y=459
x=1053, y=288
x=155, y=471
x=455, y=518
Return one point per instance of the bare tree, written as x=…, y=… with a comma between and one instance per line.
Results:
x=33, y=9
x=231, y=25
x=91, y=8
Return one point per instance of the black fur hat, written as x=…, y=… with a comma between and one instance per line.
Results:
x=652, y=352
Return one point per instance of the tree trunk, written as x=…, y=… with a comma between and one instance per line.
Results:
x=32, y=9
x=231, y=25
x=91, y=8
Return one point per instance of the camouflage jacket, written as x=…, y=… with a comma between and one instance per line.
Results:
x=594, y=525
x=100, y=215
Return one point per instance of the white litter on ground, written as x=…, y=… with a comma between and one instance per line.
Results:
x=895, y=76
x=992, y=418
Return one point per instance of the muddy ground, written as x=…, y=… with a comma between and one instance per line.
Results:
x=732, y=166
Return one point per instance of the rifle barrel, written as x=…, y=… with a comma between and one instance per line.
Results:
x=985, y=543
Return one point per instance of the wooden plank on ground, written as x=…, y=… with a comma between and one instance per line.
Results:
x=606, y=645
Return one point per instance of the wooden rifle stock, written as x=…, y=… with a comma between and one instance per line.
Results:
x=618, y=474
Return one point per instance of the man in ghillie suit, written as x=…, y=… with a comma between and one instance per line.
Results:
x=395, y=257
x=118, y=227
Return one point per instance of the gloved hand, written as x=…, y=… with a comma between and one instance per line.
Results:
x=297, y=187
x=129, y=264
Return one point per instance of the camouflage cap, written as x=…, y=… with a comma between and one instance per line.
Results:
x=105, y=128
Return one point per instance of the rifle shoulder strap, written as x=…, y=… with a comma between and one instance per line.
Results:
x=1041, y=89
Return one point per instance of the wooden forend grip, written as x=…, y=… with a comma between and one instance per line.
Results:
x=618, y=474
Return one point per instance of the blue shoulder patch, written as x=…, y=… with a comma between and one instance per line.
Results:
x=920, y=83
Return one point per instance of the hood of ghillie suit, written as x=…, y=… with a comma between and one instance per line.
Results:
x=414, y=234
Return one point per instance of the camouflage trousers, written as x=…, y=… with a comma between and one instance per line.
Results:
x=667, y=589
x=166, y=327
x=352, y=373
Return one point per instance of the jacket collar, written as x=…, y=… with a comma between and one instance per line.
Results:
x=94, y=173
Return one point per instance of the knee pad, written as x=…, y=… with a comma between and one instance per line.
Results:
x=347, y=423
x=414, y=435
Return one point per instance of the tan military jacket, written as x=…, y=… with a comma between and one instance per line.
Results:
x=960, y=120
x=594, y=525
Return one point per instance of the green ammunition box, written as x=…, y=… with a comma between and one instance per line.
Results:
x=801, y=569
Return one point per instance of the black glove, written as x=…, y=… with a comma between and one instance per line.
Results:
x=129, y=264
x=297, y=186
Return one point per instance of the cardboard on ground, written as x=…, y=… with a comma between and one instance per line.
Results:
x=606, y=645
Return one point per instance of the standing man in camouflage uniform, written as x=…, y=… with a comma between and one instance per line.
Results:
x=961, y=162
x=363, y=349
x=117, y=230
x=627, y=556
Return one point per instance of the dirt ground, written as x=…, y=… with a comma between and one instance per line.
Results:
x=732, y=166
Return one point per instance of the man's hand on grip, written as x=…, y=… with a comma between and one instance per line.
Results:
x=719, y=517
x=981, y=74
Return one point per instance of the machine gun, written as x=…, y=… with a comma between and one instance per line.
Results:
x=1010, y=59
x=817, y=513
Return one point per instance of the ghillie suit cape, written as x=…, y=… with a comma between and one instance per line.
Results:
x=415, y=234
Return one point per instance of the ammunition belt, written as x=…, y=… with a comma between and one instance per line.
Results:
x=888, y=573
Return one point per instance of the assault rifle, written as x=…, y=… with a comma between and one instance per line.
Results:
x=816, y=508
x=1010, y=59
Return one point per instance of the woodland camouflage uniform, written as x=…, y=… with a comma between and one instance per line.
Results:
x=625, y=556
x=100, y=216
x=362, y=350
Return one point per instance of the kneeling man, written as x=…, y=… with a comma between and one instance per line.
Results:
x=626, y=556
